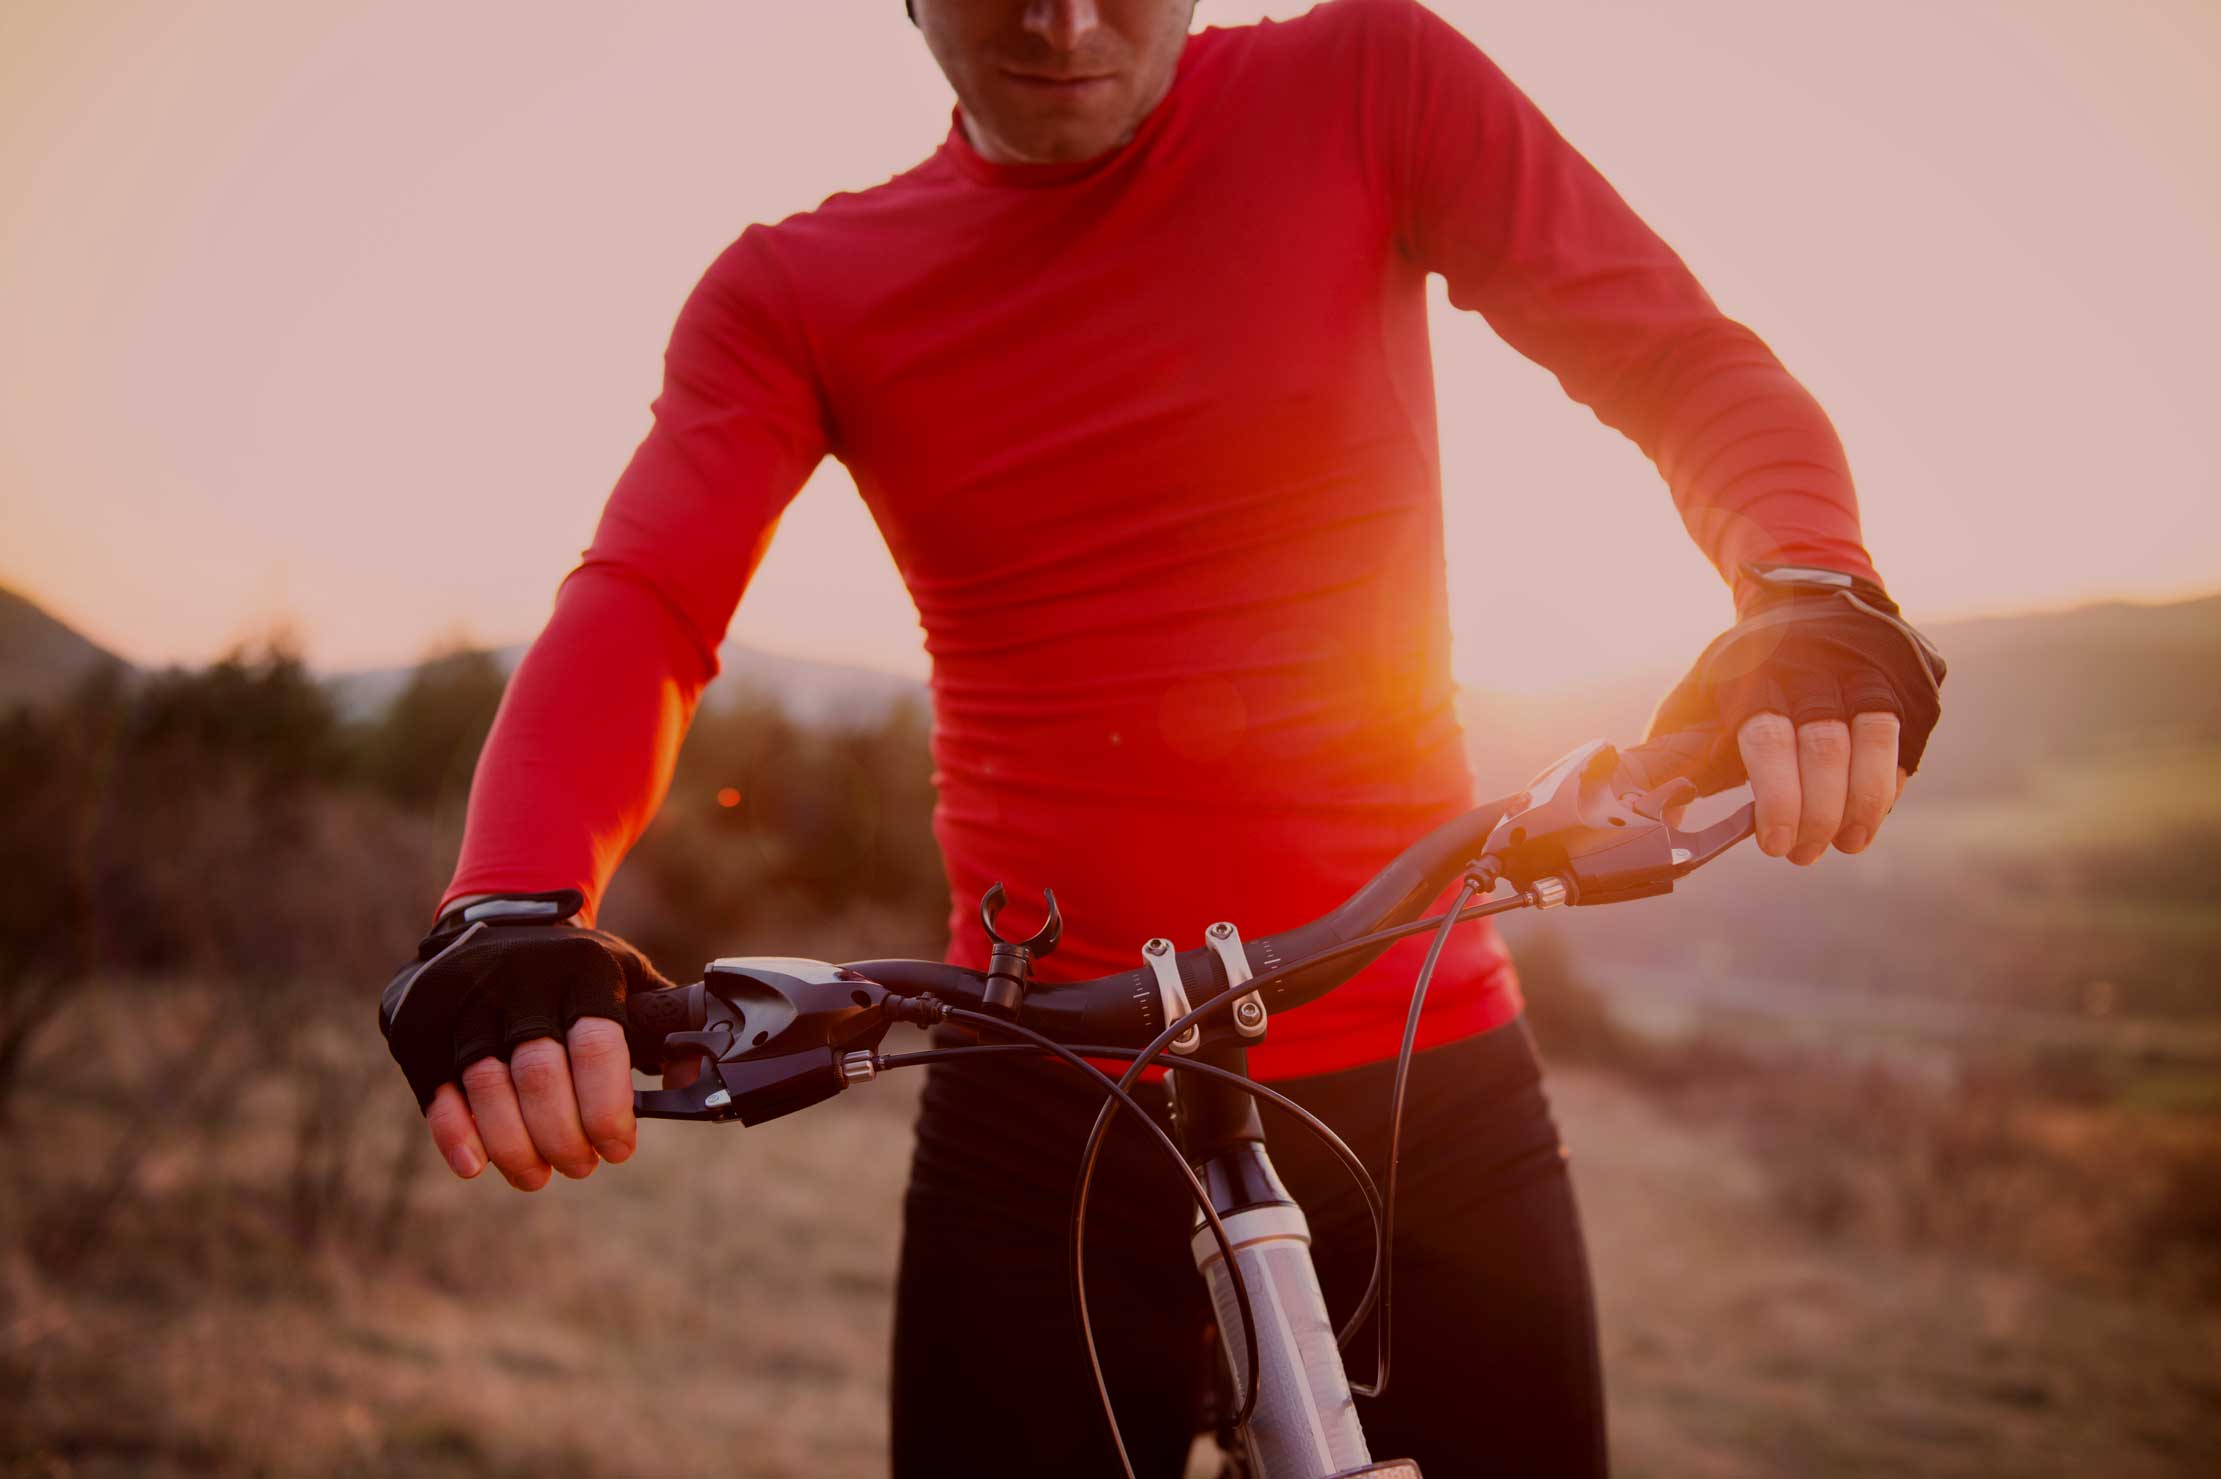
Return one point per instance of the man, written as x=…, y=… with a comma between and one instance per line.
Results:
x=1133, y=373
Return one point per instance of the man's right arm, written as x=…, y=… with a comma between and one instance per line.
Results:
x=582, y=749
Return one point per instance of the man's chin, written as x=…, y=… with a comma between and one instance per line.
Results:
x=1061, y=140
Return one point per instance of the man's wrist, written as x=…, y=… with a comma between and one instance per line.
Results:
x=554, y=906
x=1796, y=593
x=1771, y=582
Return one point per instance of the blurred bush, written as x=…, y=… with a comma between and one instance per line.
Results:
x=2043, y=1159
x=420, y=751
x=1987, y=1162
x=768, y=824
x=222, y=846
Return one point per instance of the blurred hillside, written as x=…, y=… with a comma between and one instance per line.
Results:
x=2026, y=694
x=41, y=657
x=809, y=692
x=2057, y=859
x=2059, y=854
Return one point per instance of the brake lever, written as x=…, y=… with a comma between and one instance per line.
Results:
x=776, y=1035
x=1586, y=833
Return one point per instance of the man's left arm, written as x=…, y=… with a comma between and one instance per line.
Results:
x=1820, y=694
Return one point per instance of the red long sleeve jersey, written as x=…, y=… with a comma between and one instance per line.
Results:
x=1152, y=440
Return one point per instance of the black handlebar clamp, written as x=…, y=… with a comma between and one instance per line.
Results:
x=1010, y=962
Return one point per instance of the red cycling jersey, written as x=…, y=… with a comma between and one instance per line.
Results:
x=1152, y=440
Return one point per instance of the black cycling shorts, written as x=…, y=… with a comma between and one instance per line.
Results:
x=1495, y=1367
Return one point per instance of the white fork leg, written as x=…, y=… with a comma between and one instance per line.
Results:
x=1305, y=1423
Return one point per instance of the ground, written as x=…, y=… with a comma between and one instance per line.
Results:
x=720, y=1306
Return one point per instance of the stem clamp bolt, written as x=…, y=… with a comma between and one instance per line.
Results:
x=1171, y=994
x=1226, y=944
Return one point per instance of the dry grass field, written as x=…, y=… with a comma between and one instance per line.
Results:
x=720, y=1306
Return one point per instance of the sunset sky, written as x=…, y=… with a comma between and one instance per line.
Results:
x=344, y=316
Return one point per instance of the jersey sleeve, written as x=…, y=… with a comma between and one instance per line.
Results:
x=582, y=749
x=1525, y=231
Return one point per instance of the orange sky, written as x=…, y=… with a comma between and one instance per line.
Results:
x=345, y=315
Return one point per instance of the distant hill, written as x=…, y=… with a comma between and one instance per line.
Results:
x=810, y=692
x=2023, y=691
x=2057, y=850
x=42, y=658
x=2096, y=680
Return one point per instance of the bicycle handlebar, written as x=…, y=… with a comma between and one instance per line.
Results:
x=781, y=1034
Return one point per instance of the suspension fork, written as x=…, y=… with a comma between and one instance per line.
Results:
x=1305, y=1422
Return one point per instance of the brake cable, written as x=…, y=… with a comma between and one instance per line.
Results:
x=1264, y=1093
x=1121, y=1096
x=1387, y=1239
x=1092, y=1154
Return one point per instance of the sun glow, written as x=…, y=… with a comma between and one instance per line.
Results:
x=334, y=327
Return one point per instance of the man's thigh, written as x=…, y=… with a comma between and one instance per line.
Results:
x=1494, y=1366
x=989, y=1374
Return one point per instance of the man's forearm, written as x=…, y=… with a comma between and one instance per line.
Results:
x=1756, y=468
x=582, y=751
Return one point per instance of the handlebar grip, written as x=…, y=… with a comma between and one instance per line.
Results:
x=1696, y=754
x=653, y=1016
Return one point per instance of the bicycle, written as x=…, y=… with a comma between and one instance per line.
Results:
x=774, y=1035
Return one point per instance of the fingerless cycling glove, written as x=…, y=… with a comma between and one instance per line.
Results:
x=1819, y=645
x=488, y=978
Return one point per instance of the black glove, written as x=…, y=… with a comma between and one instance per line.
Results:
x=1820, y=645
x=513, y=970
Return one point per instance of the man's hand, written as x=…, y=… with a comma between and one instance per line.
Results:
x=1826, y=781
x=1823, y=697
x=565, y=1106
x=511, y=1032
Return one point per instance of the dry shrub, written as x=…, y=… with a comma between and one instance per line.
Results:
x=1986, y=1162
x=769, y=824
x=285, y=910
x=2039, y=1161
x=1574, y=1023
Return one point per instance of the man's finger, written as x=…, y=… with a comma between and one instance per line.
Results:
x=455, y=1132
x=1824, y=771
x=1874, y=783
x=542, y=1073
x=601, y=1071
x=1768, y=744
x=493, y=1103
